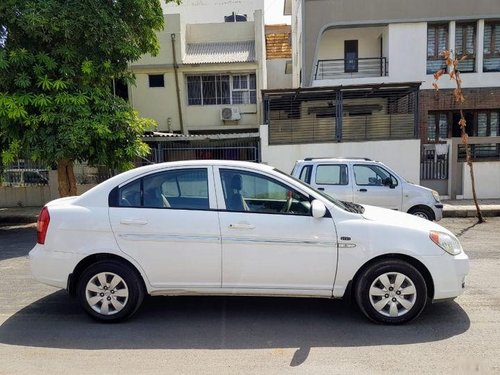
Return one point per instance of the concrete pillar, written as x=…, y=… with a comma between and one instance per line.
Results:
x=479, y=46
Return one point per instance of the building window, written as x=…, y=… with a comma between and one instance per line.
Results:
x=491, y=47
x=235, y=18
x=156, y=80
x=465, y=45
x=350, y=56
x=437, y=127
x=488, y=123
x=213, y=89
x=437, y=42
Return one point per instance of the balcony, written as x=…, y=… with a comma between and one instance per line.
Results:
x=351, y=68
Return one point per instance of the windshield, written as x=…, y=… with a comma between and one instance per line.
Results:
x=346, y=206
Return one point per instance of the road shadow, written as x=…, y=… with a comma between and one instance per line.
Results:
x=57, y=321
x=16, y=241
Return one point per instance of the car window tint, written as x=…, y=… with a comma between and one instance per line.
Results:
x=305, y=174
x=370, y=175
x=331, y=174
x=185, y=189
x=247, y=191
x=130, y=194
x=178, y=189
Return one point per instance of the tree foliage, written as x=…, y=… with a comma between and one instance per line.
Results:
x=57, y=62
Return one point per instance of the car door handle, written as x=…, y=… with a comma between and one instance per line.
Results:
x=241, y=226
x=133, y=222
x=363, y=190
x=322, y=189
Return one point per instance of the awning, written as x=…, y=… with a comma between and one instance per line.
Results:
x=218, y=53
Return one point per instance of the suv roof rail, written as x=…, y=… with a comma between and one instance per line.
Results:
x=339, y=157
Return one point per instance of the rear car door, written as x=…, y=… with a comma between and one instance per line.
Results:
x=167, y=222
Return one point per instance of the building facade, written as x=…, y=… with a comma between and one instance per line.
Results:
x=382, y=43
x=203, y=86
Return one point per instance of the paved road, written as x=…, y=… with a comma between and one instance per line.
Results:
x=43, y=331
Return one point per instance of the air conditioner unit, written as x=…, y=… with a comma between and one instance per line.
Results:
x=230, y=114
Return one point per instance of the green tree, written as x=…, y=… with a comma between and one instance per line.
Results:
x=57, y=62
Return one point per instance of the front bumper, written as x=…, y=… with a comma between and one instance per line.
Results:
x=438, y=211
x=448, y=273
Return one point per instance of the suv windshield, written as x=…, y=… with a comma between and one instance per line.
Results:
x=346, y=206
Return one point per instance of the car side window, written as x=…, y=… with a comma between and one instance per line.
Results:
x=332, y=174
x=178, y=189
x=247, y=191
x=373, y=175
x=305, y=174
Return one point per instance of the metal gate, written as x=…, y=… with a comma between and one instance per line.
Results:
x=162, y=151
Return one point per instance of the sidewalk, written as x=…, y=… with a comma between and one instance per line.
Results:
x=452, y=208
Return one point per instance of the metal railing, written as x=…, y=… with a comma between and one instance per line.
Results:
x=355, y=68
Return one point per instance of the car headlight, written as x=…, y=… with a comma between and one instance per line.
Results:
x=446, y=242
x=435, y=194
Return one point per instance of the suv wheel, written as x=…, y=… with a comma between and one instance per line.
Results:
x=110, y=291
x=391, y=292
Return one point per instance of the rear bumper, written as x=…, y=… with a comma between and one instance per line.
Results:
x=51, y=267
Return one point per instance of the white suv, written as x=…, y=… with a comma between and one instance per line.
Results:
x=365, y=181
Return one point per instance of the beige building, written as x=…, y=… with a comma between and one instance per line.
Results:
x=203, y=88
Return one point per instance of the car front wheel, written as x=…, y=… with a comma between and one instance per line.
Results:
x=391, y=292
x=110, y=291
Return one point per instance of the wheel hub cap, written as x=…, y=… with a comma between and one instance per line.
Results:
x=393, y=294
x=107, y=293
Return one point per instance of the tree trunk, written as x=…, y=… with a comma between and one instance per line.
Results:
x=66, y=178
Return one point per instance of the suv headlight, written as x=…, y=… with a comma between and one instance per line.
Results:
x=446, y=242
x=435, y=194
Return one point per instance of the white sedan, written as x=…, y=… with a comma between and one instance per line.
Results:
x=238, y=228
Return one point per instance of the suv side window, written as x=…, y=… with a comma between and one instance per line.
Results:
x=372, y=175
x=305, y=174
x=332, y=174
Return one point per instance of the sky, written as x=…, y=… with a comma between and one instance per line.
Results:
x=273, y=12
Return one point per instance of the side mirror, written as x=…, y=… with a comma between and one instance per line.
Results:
x=318, y=209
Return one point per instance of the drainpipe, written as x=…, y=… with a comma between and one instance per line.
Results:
x=181, y=122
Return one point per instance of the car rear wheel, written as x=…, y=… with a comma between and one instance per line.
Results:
x=110, y=291
x=391, y=292
x=423, y=212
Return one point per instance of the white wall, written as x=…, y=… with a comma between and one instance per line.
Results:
x=407, y=56
x=208, y=11
x=276, y=77
x=487, y=177
x=389, y=152
x=332, y=42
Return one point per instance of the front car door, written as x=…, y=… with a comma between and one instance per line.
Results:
x=168, y=223
x=376, y=186
x=270, y=242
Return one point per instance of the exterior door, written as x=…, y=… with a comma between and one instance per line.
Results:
x=375, y=186
x=167, y=222
x=350, y=56
x=270, y=241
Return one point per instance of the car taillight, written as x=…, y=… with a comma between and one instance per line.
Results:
x=42, y=225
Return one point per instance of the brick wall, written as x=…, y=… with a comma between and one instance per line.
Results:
x=443, y=100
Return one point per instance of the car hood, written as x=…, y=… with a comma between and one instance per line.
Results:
x=400, y=219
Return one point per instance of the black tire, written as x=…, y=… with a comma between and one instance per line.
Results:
x=423, y=212
x=130, y=284
x=391, y=299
